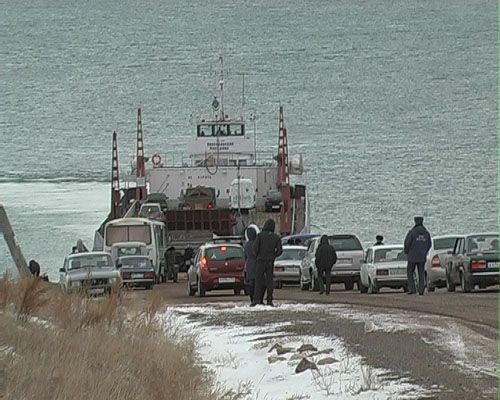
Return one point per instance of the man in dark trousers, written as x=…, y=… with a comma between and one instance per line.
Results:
x=325, y=258
x=267, y=247
x=250, y=260
x=417, y=245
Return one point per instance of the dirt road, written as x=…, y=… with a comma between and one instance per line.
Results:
x=444, y=341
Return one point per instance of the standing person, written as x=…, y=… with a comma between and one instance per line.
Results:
x=380, y=240
x=417, y=245
x=34, y=268
x=170, y=263
x=267, y=247
x=325, y=258
x=250, y=260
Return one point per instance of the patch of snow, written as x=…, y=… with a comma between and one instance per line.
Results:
x=239, y=357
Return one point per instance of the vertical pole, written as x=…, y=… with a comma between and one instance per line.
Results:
x=140, y=191
x=10, y=239
x=283, y=178
x=115, y=181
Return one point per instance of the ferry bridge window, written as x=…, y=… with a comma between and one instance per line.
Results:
x=205, y=130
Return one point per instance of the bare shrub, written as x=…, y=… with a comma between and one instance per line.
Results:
x=91, y=351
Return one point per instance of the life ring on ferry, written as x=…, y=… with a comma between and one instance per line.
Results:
x=156, y=159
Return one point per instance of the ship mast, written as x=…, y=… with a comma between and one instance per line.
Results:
x=221, y=84
x=115, y=182
x=283, y=180
x=140, y=180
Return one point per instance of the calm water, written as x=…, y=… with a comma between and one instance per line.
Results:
x=393, y=105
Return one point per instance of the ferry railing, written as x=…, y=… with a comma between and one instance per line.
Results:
x=183, y=160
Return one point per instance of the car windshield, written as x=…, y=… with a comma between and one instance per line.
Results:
x=482, y=244
x=135, y=262
x=90, y=261
x=345, y=243
x=444, y=243
x=224, y=253
x=389, y=255
x=291, y=254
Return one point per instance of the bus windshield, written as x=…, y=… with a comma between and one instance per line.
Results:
x=124, y=233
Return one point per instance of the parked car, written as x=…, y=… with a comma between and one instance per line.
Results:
x=350, y=255
x=121, y=249
x=136, y=271
x=475, y=260
x=91, y=272
x=384, y=266
x=435, y=265
x=287, y=265
x=273, y=200
x=217, y=266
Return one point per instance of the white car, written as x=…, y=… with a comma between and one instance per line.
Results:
x=384, y=266
x=435, y=265
x=90, y=272
x=287, y=265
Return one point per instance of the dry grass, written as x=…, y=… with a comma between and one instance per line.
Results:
x=91, y=350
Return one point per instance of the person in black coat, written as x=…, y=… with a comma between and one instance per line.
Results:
x=325, y=258
x=417, y=245
x=267, y=247
x=380, y=240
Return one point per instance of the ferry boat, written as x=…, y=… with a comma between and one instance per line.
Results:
x=219, y=186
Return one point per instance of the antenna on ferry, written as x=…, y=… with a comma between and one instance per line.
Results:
x=243, y=98
x=221, y=84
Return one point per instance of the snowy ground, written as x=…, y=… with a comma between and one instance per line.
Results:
x=242, y=359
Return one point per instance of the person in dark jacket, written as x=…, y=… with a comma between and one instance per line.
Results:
x=416, y=246
x=34, y=268
x=380, y=240
x=267, y=247
x=325, y=258
x=250, y=260
x=171, y=271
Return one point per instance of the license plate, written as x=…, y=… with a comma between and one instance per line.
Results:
x=344, y=261
x=227, y=280
x=398, y=271
x=137, y=276
x=292, y=268
x=493, y=264
x=96, y=291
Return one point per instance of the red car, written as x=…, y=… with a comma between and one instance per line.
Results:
x=217, y=266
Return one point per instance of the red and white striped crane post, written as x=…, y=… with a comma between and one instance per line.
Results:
x=115, y=182
x=140, y=179
x=284, y=178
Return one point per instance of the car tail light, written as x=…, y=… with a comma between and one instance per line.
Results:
x=478, y=264
x=204, y=262
x=223, y=248
x=435, y=263
x=126, y=275
x=382, y=272
x=149, y=275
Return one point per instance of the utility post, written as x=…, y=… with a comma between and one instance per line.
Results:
x=10, y=239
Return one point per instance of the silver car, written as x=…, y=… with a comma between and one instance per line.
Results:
x=136, y=271
x=435, y=265
x=91, y=272
x=346, y=270
x=287, y=265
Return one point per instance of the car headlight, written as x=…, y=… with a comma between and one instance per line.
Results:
x=76, y=283
x=113, y=280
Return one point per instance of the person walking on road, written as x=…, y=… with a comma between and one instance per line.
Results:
x=250, y=260
x=325, y=258
x=416, y=246
x=267, y=247
x=380, y=240
x=34, y=268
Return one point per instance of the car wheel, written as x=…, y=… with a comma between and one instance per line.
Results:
x=175, y=277
x=304, y=286
x=201, y=289
x=450, y=286
x=430, y=287
x=465, y=283
x=237, y=291
x=349, y=285
x=362, y=288
x=372, y=287
x=405, y=288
